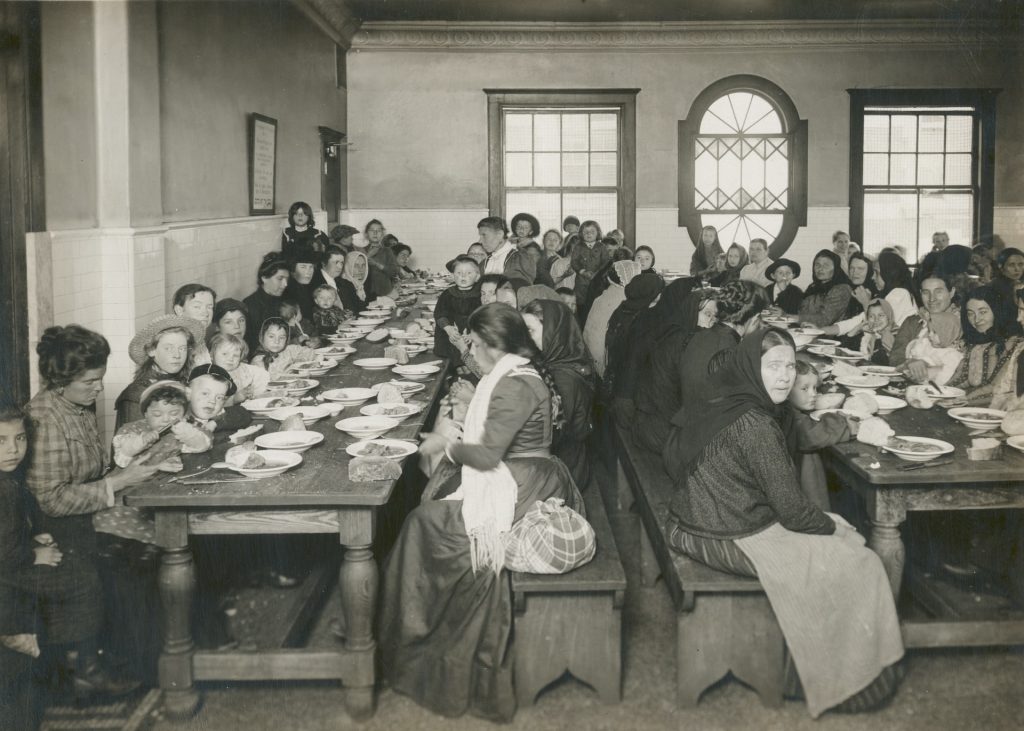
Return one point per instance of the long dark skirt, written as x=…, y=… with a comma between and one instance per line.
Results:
x=445, y=631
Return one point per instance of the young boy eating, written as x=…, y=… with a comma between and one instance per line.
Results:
x=229, y=352
x=209, y=388
x=454, y=306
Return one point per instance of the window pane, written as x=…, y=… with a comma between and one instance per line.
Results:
x=776, y=173
x=721, y=116
x=762, y=118
x=518, y=169
x=546, y=169
x=545, y=132
x=901, y=169
x=600, y=207
x=890, y=219
x=876, y=133
x=959, y=136
x=574, y=169
x=752, y=170
x=518, y=132
x=604, y=168
x=604, y=132
x=876, y=169
x=729, y=173
x=712, y=125
x=904, y=133
x=740, y=229
x=931, y=133
x=929, y=169
x=949, y=212
x=575, y=132
x=545, y=206
x=958, y=169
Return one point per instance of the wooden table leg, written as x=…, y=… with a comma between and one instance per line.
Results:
x=177, y=581
x=885, y=540
x=359, y=584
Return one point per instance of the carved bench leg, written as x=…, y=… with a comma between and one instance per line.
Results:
x=700, y=660
x=650, y=569
x=758, y=651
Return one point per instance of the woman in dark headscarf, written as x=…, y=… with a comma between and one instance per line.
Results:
x=735, y=259
x=993, y=338
x=897, y=286
x=826, y=299
x=565, y=356
x=739, y=508
x=704, y=262
x=640, y=293
x=1008, y=283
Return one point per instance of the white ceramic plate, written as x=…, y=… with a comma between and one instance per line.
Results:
x=401, y=448
x=277, y=461
x=349, y=396
x=939, y=448
x=309, y=414
x=862, y=381
x=336, y=352
x=828, y=341
x=809, y=331
x=415, y=372
x=888, y=404
x=367, y=427
x=1017, y=442
x=816, y=415
x=291, y=441
x=835, y=352
x=415, y=349
x=375, y=364
x=406, y=387
x=268, y=404
x=880, y=370
x=394, y=411
x=313, y=368
x=978, y=418
x=371, y=321
x=300, y=386
x=948, y=392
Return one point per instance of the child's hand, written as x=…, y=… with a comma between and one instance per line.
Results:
x=44, y=539
x=462, y=391
x=47, y=556
x=433, y=444
x=26, y=644
x=853, y=424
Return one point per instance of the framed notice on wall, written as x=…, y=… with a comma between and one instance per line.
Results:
x=262, y=163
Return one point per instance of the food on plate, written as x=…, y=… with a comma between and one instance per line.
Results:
x=1013, y=423
x=875, y=431
x=300, y=384
x=239, y=436
x=984, y=443
x=238, y=456
x=380, y=450
x=390, y=394
x=377, y=335
x=829, y=400
x=277, y=403
x=171, y=464
x=906, y=445
x=414, y=328
x=397, y=410
x=293, y=423
x=862, y=402
x=977, y=416
x=367, y=469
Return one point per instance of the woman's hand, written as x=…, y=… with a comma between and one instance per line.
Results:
x=47, y=556
x=25, y=644
x=462, y=391
x=433, y=443
x=916, y=370
x=133, y=474
x=863, y=295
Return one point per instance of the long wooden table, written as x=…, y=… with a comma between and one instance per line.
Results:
x=890, y=494
x=315, y=497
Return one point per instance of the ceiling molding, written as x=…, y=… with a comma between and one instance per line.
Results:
x=333, y=18
x=677, y=36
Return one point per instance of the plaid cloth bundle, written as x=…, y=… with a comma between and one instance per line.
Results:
x=550, y=539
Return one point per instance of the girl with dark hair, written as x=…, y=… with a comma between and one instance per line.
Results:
x=272, y=280
x=735, y=259
x=403, y=255
x=67, y=473
x=826, y=299
x=704, y=263
x=897, y=286
x=588, y=257
x=301, y=235
x=555, y=331
x=738, y=508
x=993, y=340
x=229, y=318
x=446, y=605
x=274, y=353
x=644, y=256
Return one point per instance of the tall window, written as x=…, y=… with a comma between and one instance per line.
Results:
x=743, y=164
x=918, y=167
x=555, y=154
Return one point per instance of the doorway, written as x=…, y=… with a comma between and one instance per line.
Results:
x=333, y=168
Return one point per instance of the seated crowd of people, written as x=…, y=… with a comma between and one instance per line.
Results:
x=552, y=339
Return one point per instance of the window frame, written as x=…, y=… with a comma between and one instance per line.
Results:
x=795, y=214
x=984, y=103
x=624, y=100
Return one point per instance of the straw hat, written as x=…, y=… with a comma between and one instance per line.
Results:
x=137, y=348
x=534, y=223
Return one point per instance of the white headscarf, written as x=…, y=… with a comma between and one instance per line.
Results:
x=348, y=273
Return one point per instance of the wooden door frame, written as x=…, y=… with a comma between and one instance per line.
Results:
x=329, y=137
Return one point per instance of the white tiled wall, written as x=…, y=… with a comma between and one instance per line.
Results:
x=1008, y=224
x=435, y=235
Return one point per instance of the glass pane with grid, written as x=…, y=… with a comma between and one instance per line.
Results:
x=600, y=207
x=741, y=228
x=546, y=206
x=890, y=219
x=945, y=211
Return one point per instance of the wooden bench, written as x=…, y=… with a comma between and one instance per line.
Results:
x=723, y=622
x=573, y=621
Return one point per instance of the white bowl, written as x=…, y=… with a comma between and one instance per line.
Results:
x=401, y=448
x=309, y=414
x=870, y=382
x=888, y=404
x=262, y=405
x=372, y=321
x=343, y=338
x=277, y=461
x=1017, y=442
x=359, y=330
x=375, y=364
x=313, y=368
x=291, y=441
x=802, y=340
x=367, y=427
x=349, y=396
x=300, y=386
x=406, y=387
x=948, y=393
x=415, y=349
x=909, y=456
x=415, y=372
x=394, y=411
x=880, y=370
x=336, y=352
x=978, y=418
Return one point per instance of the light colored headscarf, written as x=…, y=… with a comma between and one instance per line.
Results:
x=626, y=270
x=348, y=273
x=532, y=292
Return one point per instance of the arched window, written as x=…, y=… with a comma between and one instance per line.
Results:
x=743, y=164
